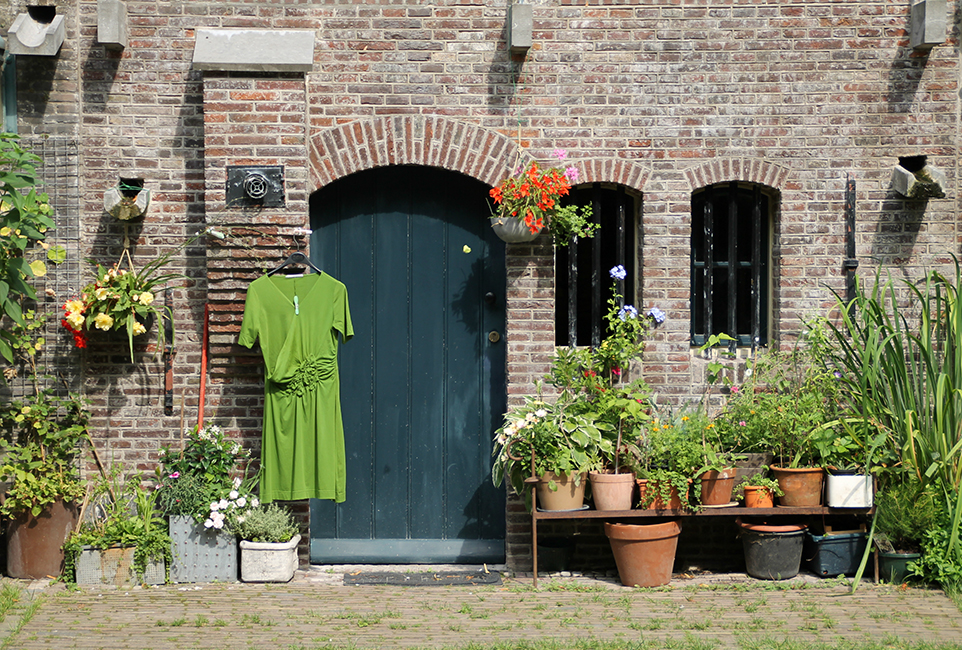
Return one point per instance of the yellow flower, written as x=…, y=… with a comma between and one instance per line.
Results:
x=76, y=319
x=146, y=298
x=138, y=328
x=74, y=306
x=684, y=418
x=5, y=231
x=101, y=293
x=103, y=321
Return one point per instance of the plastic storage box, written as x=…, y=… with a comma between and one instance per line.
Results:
x=834, y=555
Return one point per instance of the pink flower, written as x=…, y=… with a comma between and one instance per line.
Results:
x=616, y=372
x=560, y=154
x=742, y=423
x=175, y=475
x=572, y=174
x=734, y=389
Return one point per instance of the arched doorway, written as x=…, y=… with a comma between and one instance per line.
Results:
x=423, y=380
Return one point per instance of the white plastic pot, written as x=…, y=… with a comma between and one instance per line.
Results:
x=850, y=491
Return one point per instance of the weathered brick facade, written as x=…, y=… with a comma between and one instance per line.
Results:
x=663, y=98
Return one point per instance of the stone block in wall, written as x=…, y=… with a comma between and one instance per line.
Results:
x=928, y=24
x=254, y=50
x=33, y=34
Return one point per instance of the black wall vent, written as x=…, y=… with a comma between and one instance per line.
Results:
x=255, y=186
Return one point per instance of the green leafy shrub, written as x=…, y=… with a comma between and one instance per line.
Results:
x=265, y=523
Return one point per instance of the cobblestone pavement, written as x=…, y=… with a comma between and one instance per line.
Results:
x=316, y=610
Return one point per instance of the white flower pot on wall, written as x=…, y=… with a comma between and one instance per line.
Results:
x=267, y=561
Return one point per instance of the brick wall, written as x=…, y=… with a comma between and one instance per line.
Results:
x=663, y=98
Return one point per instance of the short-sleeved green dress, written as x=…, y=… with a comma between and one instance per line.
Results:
x=298, y=320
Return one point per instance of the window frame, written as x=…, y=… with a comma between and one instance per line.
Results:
x=759, y=264
x=593, y=282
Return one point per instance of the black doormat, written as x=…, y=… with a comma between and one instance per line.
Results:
x=426, y=579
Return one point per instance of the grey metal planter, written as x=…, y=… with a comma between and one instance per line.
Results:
x=115, y=566
x=201, y=555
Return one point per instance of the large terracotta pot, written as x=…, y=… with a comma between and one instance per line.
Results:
x=717, y=486
x=568, y=496
x=612, y=491
x=644, y=553
x=35, y=544
x=802, y=486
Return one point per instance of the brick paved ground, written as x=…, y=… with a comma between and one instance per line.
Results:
x=317, y=611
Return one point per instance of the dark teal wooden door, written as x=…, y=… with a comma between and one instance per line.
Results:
x=423, y=380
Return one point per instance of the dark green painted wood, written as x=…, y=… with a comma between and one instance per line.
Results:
x=422, y=388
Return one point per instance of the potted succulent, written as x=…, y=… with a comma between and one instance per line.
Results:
x=123, y=539
x=530, y=200
x=203, y=473
x=43, y=433
x=269, y=540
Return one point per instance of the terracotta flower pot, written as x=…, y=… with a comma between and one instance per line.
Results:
x=612, y=491
x=644, y=553
x=674, y=502
x=757, y=496
x=717, y=486
x=802, y=486
x=568, y=496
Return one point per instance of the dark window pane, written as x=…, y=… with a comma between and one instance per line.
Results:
x=595, y=290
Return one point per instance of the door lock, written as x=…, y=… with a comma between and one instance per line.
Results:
x=493, y=336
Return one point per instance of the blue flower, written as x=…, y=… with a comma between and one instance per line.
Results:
x=657, y=315
x=618, y=272
x=627, y=312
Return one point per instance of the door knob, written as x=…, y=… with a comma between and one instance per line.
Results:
x=489, y=298
x=493, y=336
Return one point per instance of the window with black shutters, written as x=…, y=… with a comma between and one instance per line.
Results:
x=582, y=283
x=731, y=262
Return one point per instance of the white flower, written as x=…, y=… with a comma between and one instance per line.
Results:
x=209, y=523
x=240, y=519
x=237, y=483
x=214, y=506
x=241, y=502
x=223, y=504
x=541, y=413
x=219, y=524
x=232, y=494
x=255, y=502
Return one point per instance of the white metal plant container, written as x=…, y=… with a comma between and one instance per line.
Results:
x=267, y=561
x=850, y=491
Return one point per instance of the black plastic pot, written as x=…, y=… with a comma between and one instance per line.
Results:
x=772, y=552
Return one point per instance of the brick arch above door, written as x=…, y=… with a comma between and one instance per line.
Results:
x=439, y=141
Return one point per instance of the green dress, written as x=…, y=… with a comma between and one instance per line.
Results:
x=298, y=320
